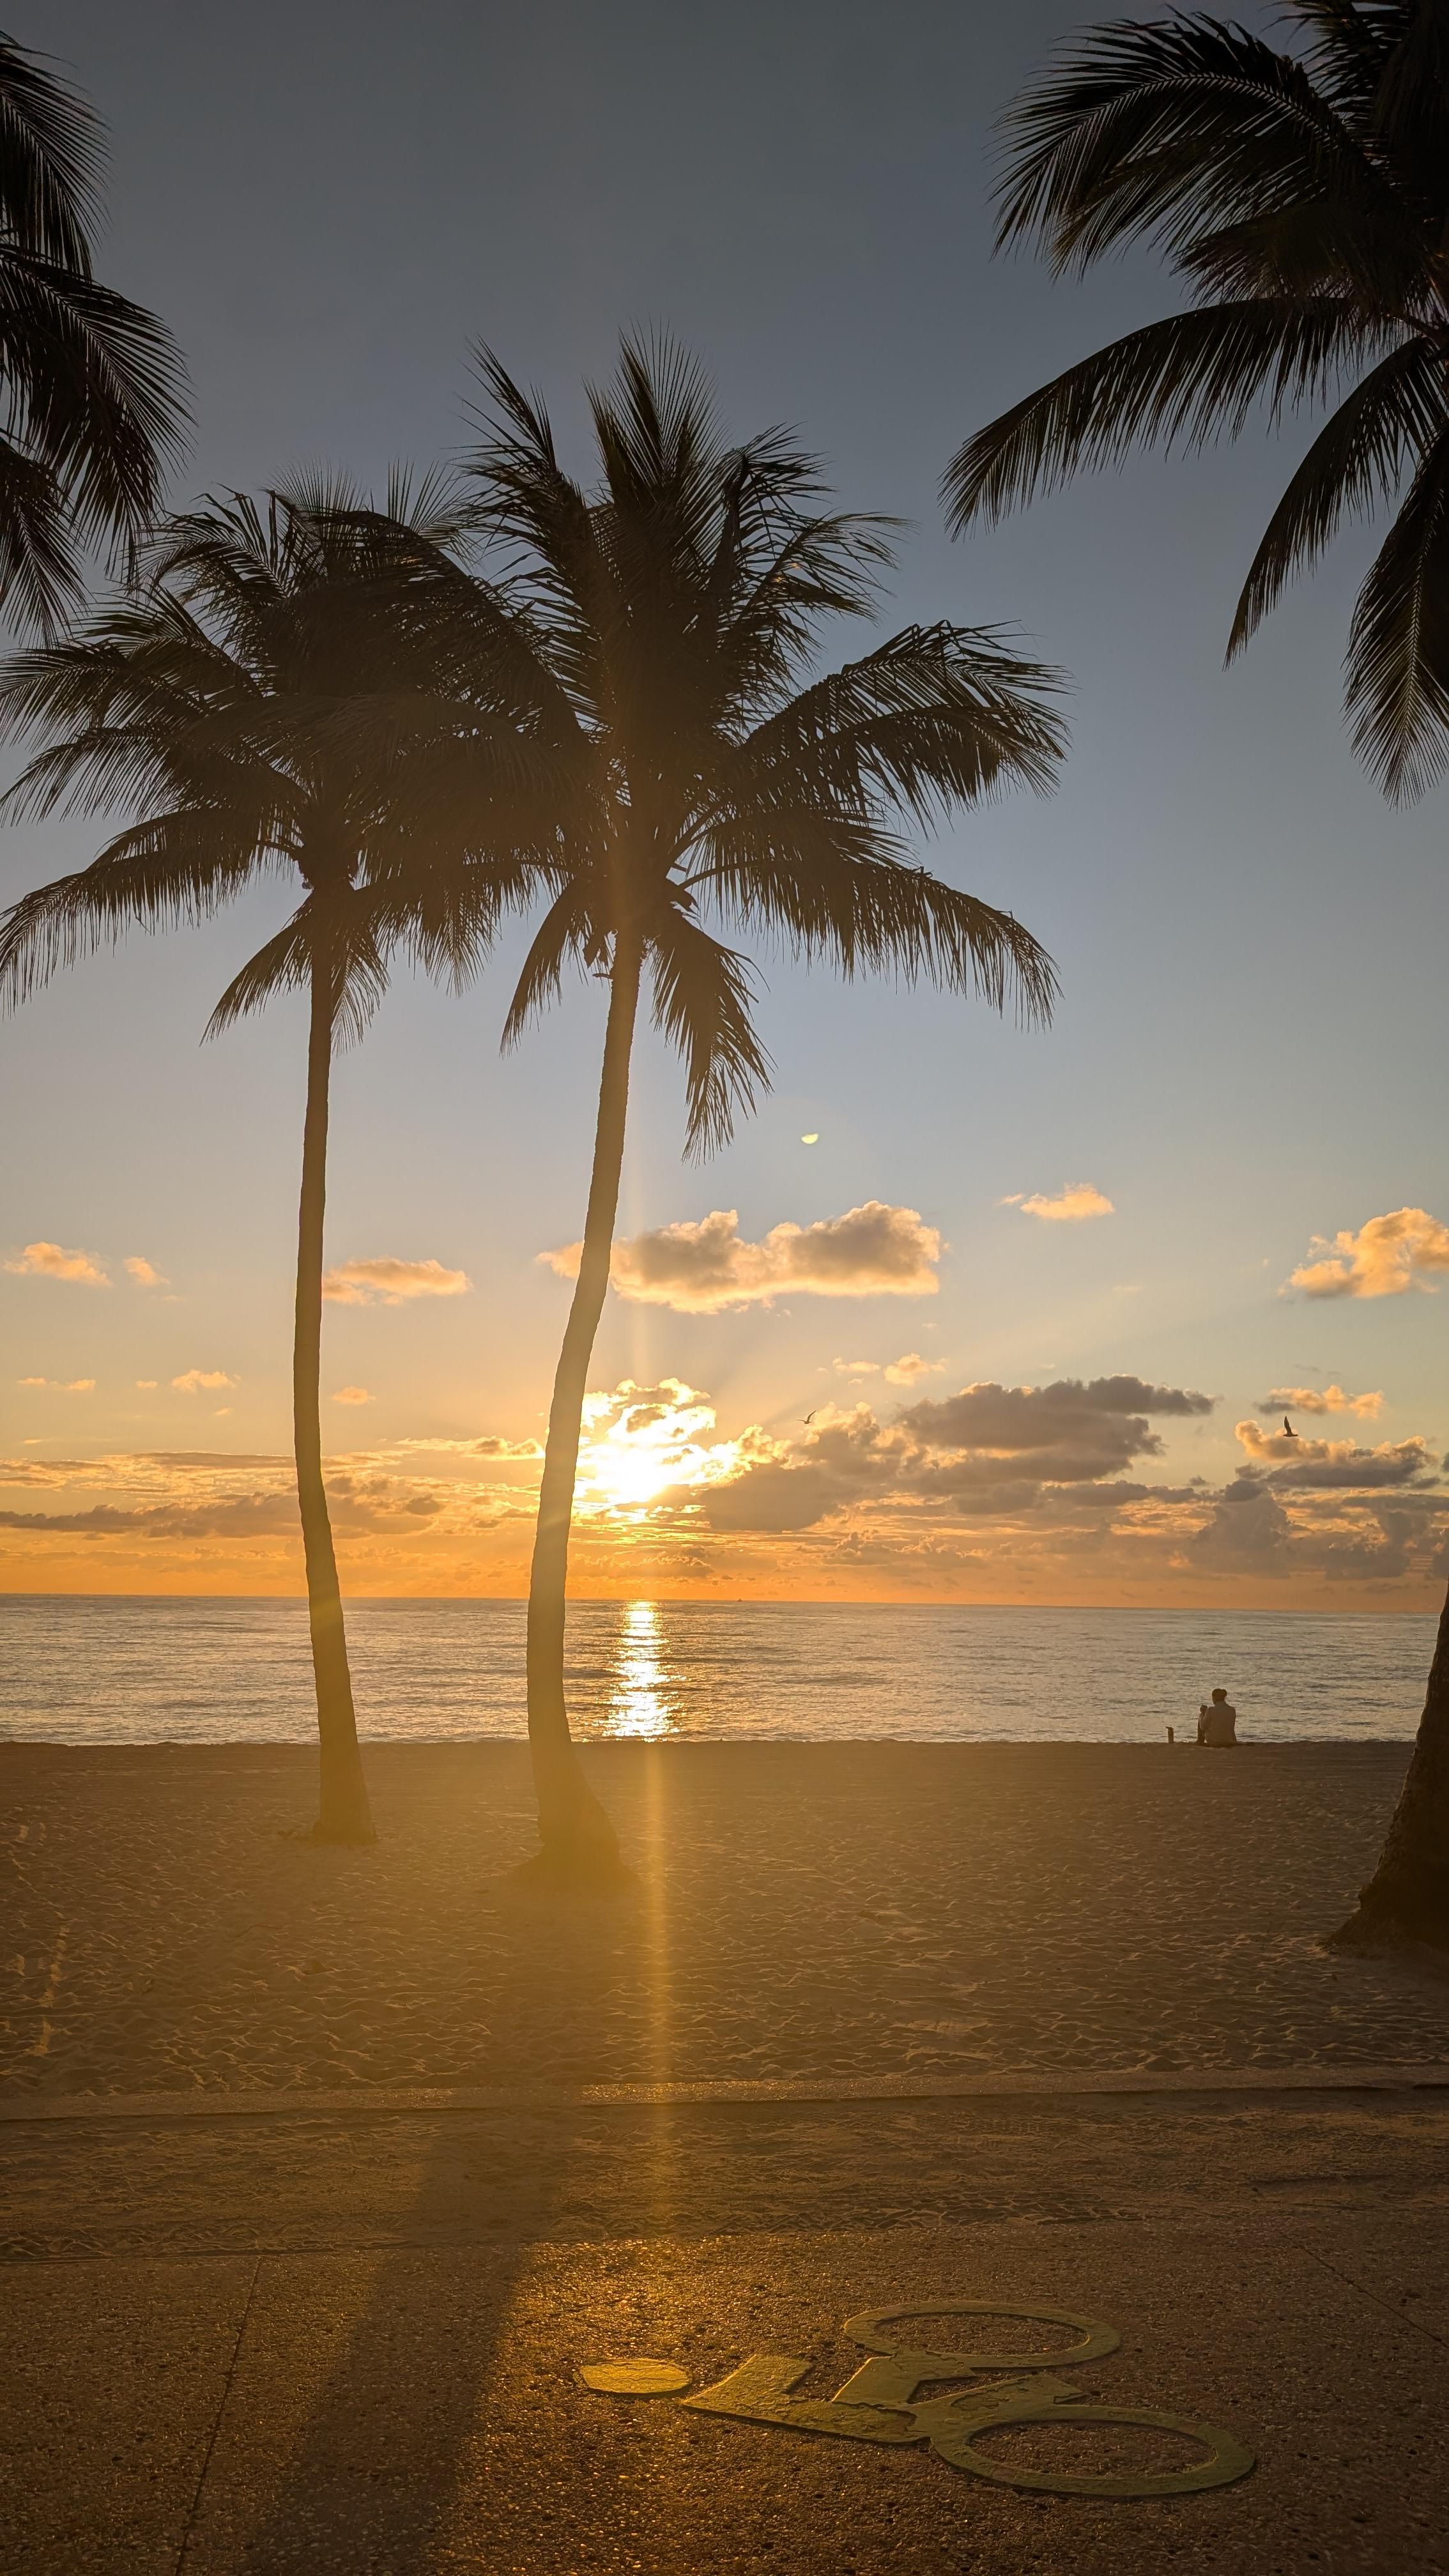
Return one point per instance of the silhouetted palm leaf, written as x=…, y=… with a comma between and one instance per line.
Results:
x=91, y=381
x=1304, y=200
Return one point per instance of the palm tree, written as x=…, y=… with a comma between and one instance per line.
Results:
x=665, y=625
x=252, y=709
x=1303, y=198
x=91, y=382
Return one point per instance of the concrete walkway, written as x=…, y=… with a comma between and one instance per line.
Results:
x=352, y=2341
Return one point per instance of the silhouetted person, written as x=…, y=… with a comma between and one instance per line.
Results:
x=1217, y=1720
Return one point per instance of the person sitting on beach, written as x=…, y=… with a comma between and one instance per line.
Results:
x=1217, y=1720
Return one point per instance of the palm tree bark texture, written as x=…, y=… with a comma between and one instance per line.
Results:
x=577, y=1838
x=344, y=1814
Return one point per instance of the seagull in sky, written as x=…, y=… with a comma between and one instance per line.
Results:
x=1288, y=1430
x=809, y=1418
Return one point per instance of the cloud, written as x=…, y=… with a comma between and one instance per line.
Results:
x=1327, y=1463
x=1328, y=1399
x=988, y=1450
x=493, y=1447
x=910, y=1368
x=53, y=1261
x=144, y=1272
x=1073, y=1205
x=353, y=1395
x=701, y=1267
x=192, y=1381
x=386, y=1282
x=147, y=1385
x=1386, y=1258
x=856, y=1368
x=62, y=1385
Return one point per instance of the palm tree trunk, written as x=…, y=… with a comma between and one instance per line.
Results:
x=578, y=1840
x=1407, y=1898
x=344, y=1815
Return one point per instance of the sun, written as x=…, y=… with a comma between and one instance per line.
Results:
x=640, y=1443
x=623, y=1469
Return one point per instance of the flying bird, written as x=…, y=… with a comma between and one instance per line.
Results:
x=809, y=1418
x=1288, y=1429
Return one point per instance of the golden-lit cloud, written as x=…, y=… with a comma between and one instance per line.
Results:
x=54, y=1261
x=910, y=1368
x=1325, y=1399
x=701, y=1267
x=388, y=1282
x=61, y=1385
x=1387, y=1257
x=193, y=1381
x=1047, y=1493
x=144, y=1272
x=353, y=1395
x=1074, y=1205
x=1297, y=1461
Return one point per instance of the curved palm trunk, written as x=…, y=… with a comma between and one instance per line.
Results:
x=1407, y=1898
x=578, y=1840
x=344, y=1815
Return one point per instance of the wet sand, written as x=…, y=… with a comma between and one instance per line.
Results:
x=871, y=1910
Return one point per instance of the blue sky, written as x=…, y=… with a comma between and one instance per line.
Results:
x=1247, y=1052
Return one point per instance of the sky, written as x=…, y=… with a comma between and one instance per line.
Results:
x=966, y=1312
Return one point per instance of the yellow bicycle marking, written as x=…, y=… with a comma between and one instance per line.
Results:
x=881, y=2401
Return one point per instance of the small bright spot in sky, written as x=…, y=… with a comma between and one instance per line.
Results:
x=810, y=1140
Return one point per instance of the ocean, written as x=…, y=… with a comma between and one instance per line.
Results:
x=162, y=1670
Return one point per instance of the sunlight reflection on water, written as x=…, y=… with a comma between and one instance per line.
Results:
x=637, y=1701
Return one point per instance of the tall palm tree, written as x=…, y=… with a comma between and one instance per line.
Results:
x=90, y=382
x=1303, y=198
x=251, y=707
x=707, y=778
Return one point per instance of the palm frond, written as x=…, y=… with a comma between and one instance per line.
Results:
x=51, y=153
x=936, y=717
x=38, y=573
x=1165, y=128
x=1397, y=670
x=346, y=942
x=1180, y=381
x=568, y=934
x=1356, y=463
x=703, y=999
x=175, y=869
x=847, y=896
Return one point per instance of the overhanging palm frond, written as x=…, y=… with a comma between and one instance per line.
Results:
x=1355, y=464
x=568, y=935
x=1397, y=670
x=38, y=572
x=174, y=869
x=1178, y=381
x=346, y=939
x=1163, y=128
x=844, y=895
x=933, y=718
x=703, y=995
x=1303, y=196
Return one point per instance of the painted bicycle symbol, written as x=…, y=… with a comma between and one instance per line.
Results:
x=882, y=2402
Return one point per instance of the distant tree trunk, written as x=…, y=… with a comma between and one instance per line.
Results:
x=579, y=1843
x=1407, y=1898
x=344, y=1814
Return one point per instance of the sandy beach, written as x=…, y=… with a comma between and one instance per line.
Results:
x=799, y=1911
